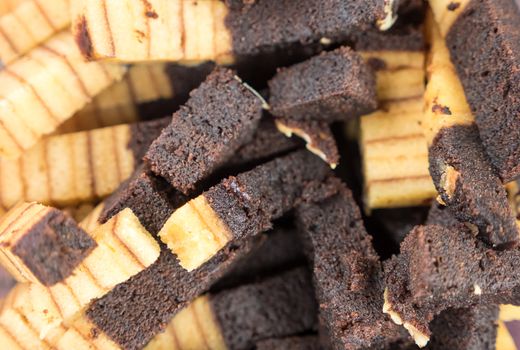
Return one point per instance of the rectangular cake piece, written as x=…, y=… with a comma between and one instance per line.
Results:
x=79, y=167
x=240, y=206
x=484, y=42
x=195, y=31
x=464, y=177
x=41, y=244
x=135, y=311
x=347, y=274
x=335, y=85
x=440, y=268
x=220, y=116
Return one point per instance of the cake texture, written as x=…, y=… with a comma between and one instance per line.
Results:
x=335, y=85
x=220, y=116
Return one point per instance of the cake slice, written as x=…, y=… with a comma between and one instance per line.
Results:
x=41, y=244
x=317, y=135
x=153, y=199
x=28, y=25
x=335, y=85
x=68, y=282
x=192, y=31
x=240, y=206
x=347, y=274
x=79, y=167
x=221, y=115
x=463, y=175
x=46, y=87
x=440, y=268
x=484, y=42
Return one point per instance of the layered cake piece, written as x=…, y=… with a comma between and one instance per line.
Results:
x=347, y=275
x=317, y=135
x=335, y=85
x=122, y=243
x=79, y=167
x=45, y=88
x=440, y=268
x=153, y=199
x=221, y=115
x=193, y=31
x=41, y=244
x=484, y=42
x=240, y=206
x=464, y=177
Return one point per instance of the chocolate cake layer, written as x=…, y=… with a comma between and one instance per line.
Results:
x=276, y=307
x=136, y=310
x=267, y=25
x=484, y=43
x=441, y=268
x=150, y=197
x=249, y=202
x=467, y=183
x=465, y=329
x=281, y=249
x=220, y=116
x=347, y=274
x=335, y=85
x=53, y=247
x=143, y=134
x=317, y=135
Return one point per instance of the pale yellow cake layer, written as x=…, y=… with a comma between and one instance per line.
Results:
x=69, y=169
x=155, y=30
x=29, y=24
x=44, y=88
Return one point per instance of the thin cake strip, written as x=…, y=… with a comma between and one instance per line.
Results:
x=237, y=318
x=445, y=267
x=122, y=243
x=239, y=206
x=461, y=171
x=484, y=42
x=221, y=115
x=78, y=167
x=28, y=25
x=347, y=274
x=144, y=86
x=188, y=31
x=8, y=5
x=44, y=88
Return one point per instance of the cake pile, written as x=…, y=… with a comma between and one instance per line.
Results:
x=259, y=174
